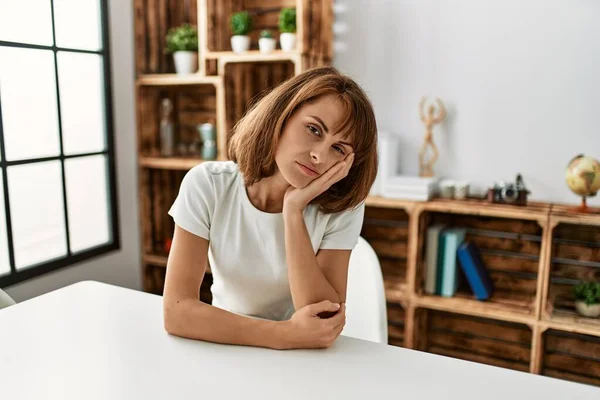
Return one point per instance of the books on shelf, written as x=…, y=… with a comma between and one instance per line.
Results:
x=432, y=260
x=449, y=258
x=475, y=271
x=452, y=239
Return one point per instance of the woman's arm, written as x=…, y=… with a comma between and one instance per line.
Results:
x=309, y=281
x=186, y=316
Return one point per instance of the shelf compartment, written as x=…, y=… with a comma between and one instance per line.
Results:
x=192, y=106
x=396, y=318
x=574, y=257
x=386, y=230
x=571, y=356
x=510, y=248
x=481, y=340
x=153, y=19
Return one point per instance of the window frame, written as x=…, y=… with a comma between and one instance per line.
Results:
x=14, y=276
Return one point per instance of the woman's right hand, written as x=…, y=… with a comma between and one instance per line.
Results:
x=306, y=330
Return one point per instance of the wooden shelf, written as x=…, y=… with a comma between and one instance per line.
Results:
x=487, y=309
x=532, y=211
x=175, y=79
x=379, y=201
x=176, y=163
x=253, y=56
x=396, y=291
x=572, y=322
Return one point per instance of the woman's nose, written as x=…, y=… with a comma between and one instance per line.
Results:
x=318, y=154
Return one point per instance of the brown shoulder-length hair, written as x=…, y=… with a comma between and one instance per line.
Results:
x=255, y=137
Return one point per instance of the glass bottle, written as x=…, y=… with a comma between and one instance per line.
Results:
x=209, y=145
x=166, y=129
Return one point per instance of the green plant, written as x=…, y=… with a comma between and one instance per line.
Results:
x=241, y=23
x=287, y=20
x=588, y=292
x=266, y=34
x=182, y=38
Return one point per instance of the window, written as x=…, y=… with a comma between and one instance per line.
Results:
x=57, y=166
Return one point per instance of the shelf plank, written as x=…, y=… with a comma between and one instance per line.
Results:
x=536, y=211
x=570, y=214
x=253, y=56
x=485, y=309
x=396, y=290
x=176, y=79
x=176, y=163
x=572, y=322
x=384, y=202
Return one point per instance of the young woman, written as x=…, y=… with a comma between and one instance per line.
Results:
x=278, y=222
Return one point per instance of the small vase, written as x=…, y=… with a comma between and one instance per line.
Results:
x=186, y=62
x=266, y=45
x=240, y=43
x=287, y=41
x=590, y=311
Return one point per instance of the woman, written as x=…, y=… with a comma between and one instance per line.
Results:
x=278, y=221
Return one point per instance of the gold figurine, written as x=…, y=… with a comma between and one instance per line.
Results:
x=426, y=167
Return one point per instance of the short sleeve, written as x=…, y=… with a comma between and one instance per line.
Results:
x=343, y=229
x=194, y=206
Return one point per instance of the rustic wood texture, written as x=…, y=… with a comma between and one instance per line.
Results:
x=481, y=340
x=396, y=321
x=153, y=19
x=570, y=356
x=245, y=83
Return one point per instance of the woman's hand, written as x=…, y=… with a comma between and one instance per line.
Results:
x=298, y=199
x=306, y=330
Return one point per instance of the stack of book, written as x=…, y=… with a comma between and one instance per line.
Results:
x=410, y=188
x=447, y=253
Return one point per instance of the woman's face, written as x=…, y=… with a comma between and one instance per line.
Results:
x=308, y=146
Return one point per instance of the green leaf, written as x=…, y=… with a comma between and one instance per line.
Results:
x=287, y=20
x=182, y=38
x=241, y=23
x=588, y=292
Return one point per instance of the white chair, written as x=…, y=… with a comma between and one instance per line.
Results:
x=366, y=314
x=5, y=299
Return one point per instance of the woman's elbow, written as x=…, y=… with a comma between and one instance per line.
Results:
x=170, y=316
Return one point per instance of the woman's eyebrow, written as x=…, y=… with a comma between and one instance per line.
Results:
x=319, y=120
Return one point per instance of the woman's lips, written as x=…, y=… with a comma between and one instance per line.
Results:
x=307, y=170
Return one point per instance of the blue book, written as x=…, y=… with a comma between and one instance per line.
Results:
x=475, y=271
x=453, y=238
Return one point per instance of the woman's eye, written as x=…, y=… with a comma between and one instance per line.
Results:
x=339, y=149
x=314, y=130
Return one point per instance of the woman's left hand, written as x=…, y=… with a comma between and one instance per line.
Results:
x=298, y=199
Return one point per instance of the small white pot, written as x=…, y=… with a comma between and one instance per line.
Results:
x=287, y=41
x=186, y=62
x=591, y=311
x=266, y=45
x=240, y=43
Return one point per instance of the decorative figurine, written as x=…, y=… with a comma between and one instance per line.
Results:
x=426, y=167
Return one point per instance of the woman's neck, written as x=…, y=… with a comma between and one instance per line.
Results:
x=267, y=194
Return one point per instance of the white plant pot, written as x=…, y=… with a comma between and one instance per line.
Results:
x=266, y=45
x=186, y=62
x=287, y=41
x=591, y=311
x=240, y=43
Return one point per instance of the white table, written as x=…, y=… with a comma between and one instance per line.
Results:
x=96, y=341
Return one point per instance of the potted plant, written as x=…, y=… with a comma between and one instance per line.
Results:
x=266, y=43
x=182, y=42
x=587, y=299
x=241, y=25
x=287, y=27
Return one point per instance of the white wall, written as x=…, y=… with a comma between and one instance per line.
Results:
x=121, y=268
x=520, y=78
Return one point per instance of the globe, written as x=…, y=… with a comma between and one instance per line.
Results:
x=583, y=177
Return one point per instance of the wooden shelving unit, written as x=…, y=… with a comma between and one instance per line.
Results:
x=534, y=253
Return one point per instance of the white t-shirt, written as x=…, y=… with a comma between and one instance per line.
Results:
x=247, y=245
